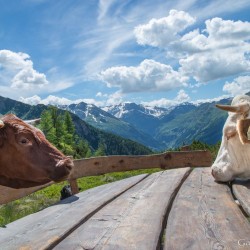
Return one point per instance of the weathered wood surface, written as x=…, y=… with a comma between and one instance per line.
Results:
x=241, y=190
x=134, y=220
x=205, y=216
x=10, y=194
x=118, y=163
x=43, y=229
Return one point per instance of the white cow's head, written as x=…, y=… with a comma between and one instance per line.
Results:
x=233, y=159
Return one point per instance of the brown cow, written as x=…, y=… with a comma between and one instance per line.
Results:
x=27, y=159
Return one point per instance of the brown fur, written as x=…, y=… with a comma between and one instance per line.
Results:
x=31, y=164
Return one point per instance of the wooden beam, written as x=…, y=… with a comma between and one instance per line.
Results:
x=10, y=194
x=119, y=163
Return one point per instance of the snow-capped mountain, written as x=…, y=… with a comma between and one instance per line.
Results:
x=155, y=127
x=121, y=110
x=101, y=119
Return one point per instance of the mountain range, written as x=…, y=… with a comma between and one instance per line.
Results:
x=155, y=127
x=114, y=144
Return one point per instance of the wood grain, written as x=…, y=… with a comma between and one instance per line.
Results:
x=10, y=194
x=118, y=163
x=41, y=230
x=205, y=216
x=132, y=221
x=241, y=190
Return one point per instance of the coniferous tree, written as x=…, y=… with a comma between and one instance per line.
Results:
x=46, y=125
x=60, y=131
x=101, y=150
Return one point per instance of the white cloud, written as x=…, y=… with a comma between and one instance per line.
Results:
x=28, y=78
x=240, y=85
x=220, y=29
x=181, y=97
x=17, y=68
x=222, y=53
x=33, y=100
x=114, y=99
x=208, y=66
x=216, y=99
x=148, y=76
x=55, y=100
x=220, y=50
x=161, y=32
x=14, y=61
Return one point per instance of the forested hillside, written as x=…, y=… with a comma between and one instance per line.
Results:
x=105, y=143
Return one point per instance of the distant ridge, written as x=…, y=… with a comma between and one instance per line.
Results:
x=154, y=127
x=113, y=144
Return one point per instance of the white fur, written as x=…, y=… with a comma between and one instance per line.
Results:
x=233, y=159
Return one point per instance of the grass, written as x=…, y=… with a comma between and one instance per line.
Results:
x=46, y=197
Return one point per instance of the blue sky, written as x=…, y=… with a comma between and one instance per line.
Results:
x=105, y=52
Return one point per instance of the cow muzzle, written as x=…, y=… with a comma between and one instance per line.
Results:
x=222, y=173
x=62, y=170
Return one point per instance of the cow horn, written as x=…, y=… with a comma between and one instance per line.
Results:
x=1, y=124
x=243, y=128
x=243, y=108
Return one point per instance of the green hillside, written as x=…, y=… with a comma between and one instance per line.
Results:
x=114, y=145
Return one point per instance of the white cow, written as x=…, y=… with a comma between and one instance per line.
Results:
x=233, y=159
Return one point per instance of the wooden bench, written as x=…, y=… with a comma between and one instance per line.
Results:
x=174, y=209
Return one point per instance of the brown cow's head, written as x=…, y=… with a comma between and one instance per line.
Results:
x=27, y=159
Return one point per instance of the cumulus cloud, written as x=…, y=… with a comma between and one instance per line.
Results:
x=57, y=101
x=19, y=68
x=223, y=52
x=240, y=85
x=27, y=78
x=114, y=98
x=220, y=50
x=161, y=32
x=213, y=65
x=148, y=76
x=181, y=97
x=218, y=29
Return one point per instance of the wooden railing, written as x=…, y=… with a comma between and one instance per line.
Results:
x=109, y=164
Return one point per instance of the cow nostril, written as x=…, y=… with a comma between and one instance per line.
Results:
x=212, y=172
x=69, y=166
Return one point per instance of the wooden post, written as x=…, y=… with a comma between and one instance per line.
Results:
x=74, y=186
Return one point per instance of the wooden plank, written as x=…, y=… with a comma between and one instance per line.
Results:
x=10, y=194
x=43, y=229
x=132, y=221
x=205, y=216
x=118, y=163
x=241, y=190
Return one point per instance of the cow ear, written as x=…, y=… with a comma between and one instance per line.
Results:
x=243, y=130
x=1, y=124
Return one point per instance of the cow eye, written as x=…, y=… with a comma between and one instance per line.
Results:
x=24, y=141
